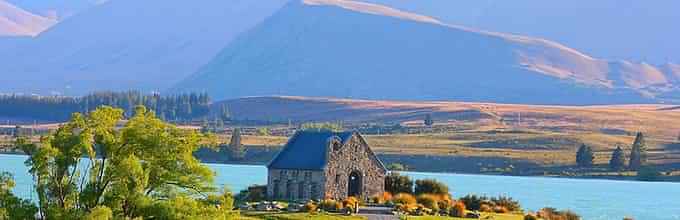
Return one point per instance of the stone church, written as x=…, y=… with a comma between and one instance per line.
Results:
x=317, y=165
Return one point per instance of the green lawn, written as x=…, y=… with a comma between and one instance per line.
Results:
x=484, y=216
x=295, y=216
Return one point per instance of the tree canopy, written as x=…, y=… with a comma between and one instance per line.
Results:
x=396, y=183
x=584, y=156
x=59, y=108
x=638, y=154
x=618, y=160
x=90, y=168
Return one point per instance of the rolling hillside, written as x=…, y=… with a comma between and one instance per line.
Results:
x=611, y=29
x=351, y=49
x=16, y=22
x=661, y=121
x=128, y=44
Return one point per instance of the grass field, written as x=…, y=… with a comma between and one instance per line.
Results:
x=296, y=216
x=484, y=216
x=542, y=147
x=305, y=216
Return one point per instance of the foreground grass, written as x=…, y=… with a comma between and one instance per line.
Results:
x=295, y=216
x=484, y=216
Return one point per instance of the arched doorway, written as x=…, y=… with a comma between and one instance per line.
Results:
x=355, y=184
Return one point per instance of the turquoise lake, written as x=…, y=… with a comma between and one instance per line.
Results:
x=592, y=199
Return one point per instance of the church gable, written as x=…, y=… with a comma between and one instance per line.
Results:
x=354, y=170
x=318, y=165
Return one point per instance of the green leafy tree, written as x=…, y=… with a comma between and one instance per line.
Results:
x=130, y=170
x=396, y=183
x=428, y=120
x=584, y=156
x=618, y=160
x=431, y=186
x=638, y=154
x=12, y=207
x=99, y=213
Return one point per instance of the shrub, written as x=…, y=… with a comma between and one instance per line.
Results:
x=382, y=198
x=549, y=213
x=474, y=202
x=407, y=208
x=458, y=210
x=500, y=209
x=350, y=202
x=431, y=186
x=405, y=199
x=254, y=193
x=510, y=204
x=530, y=217
x=429, y=201
x=396, y=167
x=309, y=207
x=330, y=205
x=444, y=205
x=485, y=208
x=396, y=183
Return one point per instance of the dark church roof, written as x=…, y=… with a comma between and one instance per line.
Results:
x=306, y=150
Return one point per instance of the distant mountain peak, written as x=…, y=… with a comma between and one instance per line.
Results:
x=373, y=9
x=15, y=21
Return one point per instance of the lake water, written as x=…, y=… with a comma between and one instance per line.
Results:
x=592, y=199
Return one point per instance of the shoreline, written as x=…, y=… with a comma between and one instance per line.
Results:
x=672, y=179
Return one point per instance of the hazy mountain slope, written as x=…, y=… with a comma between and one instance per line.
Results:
x=129, y=44
x=346, y=49
x=15, y=21
x=56, y=9
x=610, y=29
x=658, y=120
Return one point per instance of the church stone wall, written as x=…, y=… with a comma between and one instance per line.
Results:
x=354, y=156
x=295, y=185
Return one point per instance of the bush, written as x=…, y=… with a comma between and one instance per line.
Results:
x=444, y=205
x=331, y=205
x=99, y=213
x=396, y=183
x=431, y=186
x=350, y=202
x=458, y=210
x=485, y=208
x=530, y=217
x=382, y=198
x=549, y=213
x=310, y=207
x=474, y=202
x=396, y=167
x=405, y=199
x=254, y=193
x=510, y=204
x=429, y=201
x=500, y=209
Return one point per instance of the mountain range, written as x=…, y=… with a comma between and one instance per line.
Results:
x=16, y=22
x=338, y=48
x=343, y=48
x=128, y=44
x=639, y=31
